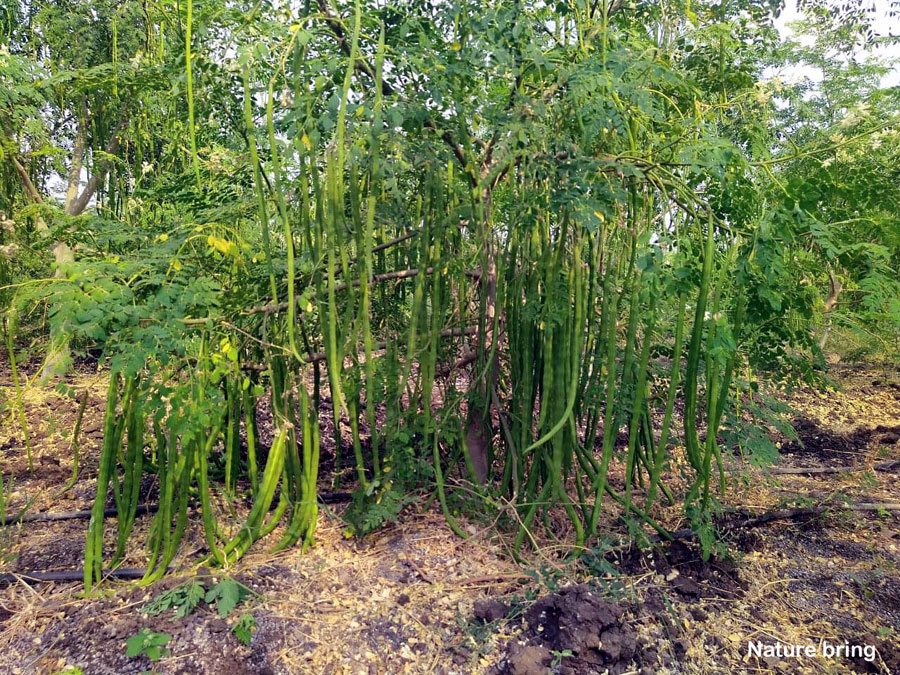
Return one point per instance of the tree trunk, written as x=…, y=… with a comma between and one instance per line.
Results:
x=830, y=304
x=56, y=363
x=479, y=431
x=58, y=354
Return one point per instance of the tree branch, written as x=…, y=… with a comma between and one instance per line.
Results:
x=362, y=66
x=78, y=205
x=32, y=192
x=74, y=173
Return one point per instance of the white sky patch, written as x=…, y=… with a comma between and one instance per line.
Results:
x=885, y=25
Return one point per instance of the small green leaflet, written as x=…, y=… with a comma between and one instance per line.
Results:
x=183, y=599
x=148, y=643
x=243, y=629
x=227, y=595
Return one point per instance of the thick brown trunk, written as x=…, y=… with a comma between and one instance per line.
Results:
x=479, y=432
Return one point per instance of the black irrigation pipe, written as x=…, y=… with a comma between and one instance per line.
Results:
x=45, y=576
x=69, y=575
x=326, y=498
x=69, y=515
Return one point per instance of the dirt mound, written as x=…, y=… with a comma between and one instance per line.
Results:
x=580, y=630
x=887, y=661
x=682, y=565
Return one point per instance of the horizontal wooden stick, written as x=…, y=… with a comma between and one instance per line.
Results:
x=273, y=307
x=320, y=356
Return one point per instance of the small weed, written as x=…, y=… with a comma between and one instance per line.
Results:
x=227, y=595
x=547, y=576
x=558, y=656
x=183, y=599
x=147, y=643
x=244, y=628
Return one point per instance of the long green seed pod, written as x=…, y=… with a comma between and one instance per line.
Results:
x=184, y=468
x=133, y=466
x=285, y=222
x=670, y=405
x=638, y=403
x=93, y=549
x=692, y=442
x=333, y=355
x=192, y=133
x=271, y=477
x=162, y=522
x=250, y=129
x=351, y=65
x=571, y=394
x=609, y=427
x=250, y=426
x=209, y=518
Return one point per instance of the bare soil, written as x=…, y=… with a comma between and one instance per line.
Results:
x=414, y=598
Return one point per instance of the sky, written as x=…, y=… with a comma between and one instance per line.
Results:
x=884, y=24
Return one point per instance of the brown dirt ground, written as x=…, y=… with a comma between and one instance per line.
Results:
x=411, y=598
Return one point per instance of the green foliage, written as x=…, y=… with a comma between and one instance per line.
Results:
x=147, y=643
x=244, y=628
x=182, y=599
x=605, y=574
x=551, y=578
x=558, y=656
x=227, y=595
x=749, y=428
x=374, y=508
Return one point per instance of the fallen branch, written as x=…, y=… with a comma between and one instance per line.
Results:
x=378, y=346
x=789, y=514
x=394, y=241
x=887, y=467
x=273, y=307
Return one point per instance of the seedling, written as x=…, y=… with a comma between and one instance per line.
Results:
x=147, y=643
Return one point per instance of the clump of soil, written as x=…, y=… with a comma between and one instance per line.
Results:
x=887, y=659
x=683, y=566
x=584, y=631
x=490, y=610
